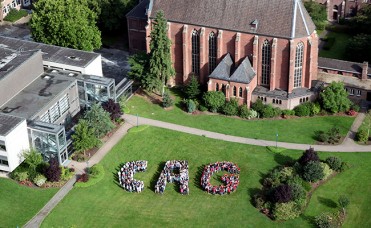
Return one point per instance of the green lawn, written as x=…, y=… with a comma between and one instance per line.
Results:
x=338, y=50
x=108, y=205
x=18, y=204
x=299, y=130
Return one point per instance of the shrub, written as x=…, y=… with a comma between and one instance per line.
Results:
x=343, y=201
x=230, y=108
x=297, y=192
x=334, y=135
x=355, y=107
x=308, y=156
x=296, y=180
x=66, y=173
x=268, y=112
x=326, y=170
x=253, y=113
x=313, y=171
x=191, y=106
x=243, y=112
x=113, y=109
x=325, y=220
x=258, y=201
x=278, y=175
x=82, y=178
x=258, y=106
x=362, y=135
x=334, y=163
x=192, y=90
x=286, y=211
x=334, y=98
x=302, y=109
x=95, y=174
x=282, y=194
x=214, y=100
x=288, y=112
x=20, y=176
x=53, y=172
x=315, y=108
x=166, y=100
x=351, y=113
x=15, y=15
x=202, y=108
x=39, y=180
x=321, y=136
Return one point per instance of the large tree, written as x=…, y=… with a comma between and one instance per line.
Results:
x=99, y=119
x=84, y=137
x=359, y=48
x=160, y=65
x=66, y=23
x=317, y=12
x=334, y=98
x=362, y=21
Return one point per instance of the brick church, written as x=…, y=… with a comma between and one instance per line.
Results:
x=249, y=49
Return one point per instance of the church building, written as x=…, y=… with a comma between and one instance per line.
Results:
x=249, y=49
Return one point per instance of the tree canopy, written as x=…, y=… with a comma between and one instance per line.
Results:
x=334, y=98
x=359, y=48
x=66, y=23
x=84, y=137
x=362, y=21
x=317, y=12
x=98, y=119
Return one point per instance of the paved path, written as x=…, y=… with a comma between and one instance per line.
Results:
x=348, y=144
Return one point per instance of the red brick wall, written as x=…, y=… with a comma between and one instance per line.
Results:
x=136, y=34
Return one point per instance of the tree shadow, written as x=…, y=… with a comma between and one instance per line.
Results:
x=155, y=177
x=197, y=179
x=310, y=219
x=327, y=202
x=252, y=192
x=283, y=159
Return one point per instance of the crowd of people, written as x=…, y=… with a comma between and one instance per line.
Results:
x=231, y=180
x=126, y=175
x=168, y=176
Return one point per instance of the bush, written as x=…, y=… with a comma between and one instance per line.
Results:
x=355, y=107
x=230, y=108
x=166, y=100
x=334, y=163
x=39, y=180
x=332, y=136
x=321, y=136
x=15, y=15
x=315, y=108
x=243, y=112
x=362, y=135
x=66, y=173
x=258, y=201
x=214, y=100
x=268, y=112
x=282, y=194
x=113, y=109
x=325, y=220
x=53, y=172
x=302, y=109
x=297, y=192
x=95, y=174
x=258, y=106
x=20, y=176
x=313, y=171
x=202, y=108
x=326, y=170
x=191, y=106
x=83, y=178
x=286, y=211
x=308, y=156
x=329, y=43
x=288, y=112
x=192, y=90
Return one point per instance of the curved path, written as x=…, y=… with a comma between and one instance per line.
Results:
x=348, y=144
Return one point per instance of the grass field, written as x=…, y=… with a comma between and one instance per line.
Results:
x=338, y=50
x=107, y=205
x=18, y=204
x=298, y=130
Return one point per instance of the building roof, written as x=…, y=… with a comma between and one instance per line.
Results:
x=223, y=69
x=51, y=53
x=8, y=123
x=348, y=81
x=278, y=18
x=139, y=11
x=36, y=96
x=244, y=72
x=346, y=66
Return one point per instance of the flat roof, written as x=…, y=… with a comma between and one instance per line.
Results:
x=8, y=123
x=36, y=96
x=51, y=53
x=46, y=127
x=81, y=77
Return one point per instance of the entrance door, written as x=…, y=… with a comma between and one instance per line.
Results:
x=64, y=156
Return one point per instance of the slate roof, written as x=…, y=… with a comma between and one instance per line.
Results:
x=226, y=71
x=8, y=123
x=336, y=64
x=278, y=18
x=139, y=11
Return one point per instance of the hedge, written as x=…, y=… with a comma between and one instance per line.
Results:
x=93, y=179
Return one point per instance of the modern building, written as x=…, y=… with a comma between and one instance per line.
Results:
x=42, y=87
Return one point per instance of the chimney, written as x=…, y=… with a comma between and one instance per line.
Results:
x=364, y=70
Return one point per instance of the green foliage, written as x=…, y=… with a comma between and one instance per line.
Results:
x=334, y=163
x=286, y=211
x=362, y=135
x=317, y=12
x=191, y=106
x=268, y=111
x=202, y=108
x=15, y=15
x=230, y=108
x=359, y=48
x=98, y=119
x=264, y=110
x=355, y=107
x=313, y=171
x=258, y=106
x=166, y=100
x=39, y=180
x=33, y=159
x=362, y=21
x=243, y=112
x=288, y=112
x=66, y=174
x=192, y=90
x=330, y=41
x=20, y=176
x=96, y=174
x=139, y=64
x=302, y=109
x=84, y=137
x=334, y=98
x=326, y=220
x=160, y=65
x=214, y=100
x=298, y=192
x=343, y=201
x=326, y=170
x=315, y=108
x=66, y=23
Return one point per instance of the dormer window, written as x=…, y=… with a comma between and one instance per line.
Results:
x=254, y=25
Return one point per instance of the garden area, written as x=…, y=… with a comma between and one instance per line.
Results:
x=107, y=202
x=335, y=45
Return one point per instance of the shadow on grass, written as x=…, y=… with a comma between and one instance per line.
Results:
x=116, y=175
x=197, y=179
x=252, y=192
x=155, y=177
x=310, y=219
x=284, y=159
x=327, y=202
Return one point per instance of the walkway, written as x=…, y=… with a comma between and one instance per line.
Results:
x=348, y=144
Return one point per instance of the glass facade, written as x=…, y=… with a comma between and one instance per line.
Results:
x=92, y=91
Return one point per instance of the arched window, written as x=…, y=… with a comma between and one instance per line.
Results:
x=223, y=89
x=240, y=92
x=234, y=91
x=274, y=101
x=195, y=52
x=266, y=62
x=212, y=52
x=298, y=73
x=217, y=87
x=280, y=102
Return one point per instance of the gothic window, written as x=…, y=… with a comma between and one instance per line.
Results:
x=240, y=92
x=223, y=89
x=266, y=62
x=234, y=91
x=217, y=87
x=195, y=52
x=298, y=72
x=212, y=52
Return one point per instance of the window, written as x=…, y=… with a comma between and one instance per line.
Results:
x=212, y=52
x=64, y=104
x=234, y=91
x=14, y=4
x=298, y=72
x=223, y=89
x=4, y=161
x=351, y=92
x=54, y=113
x=358, y=93
x=195, y=52
x=266, y=62
x=45, y=117
x=216, y=87
x=240, y=92
x=2, y=145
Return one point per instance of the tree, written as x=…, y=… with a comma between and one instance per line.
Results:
x=362, y=21
x=66, y=23
x=192, y=90
x=317, y=12
x=84, y=137
x=334, y=98
x=214, y=100
x=32, y=158
x=113, y=109
x=359, y=48
x=139, y=69
x=313, y=171
x=53, y=171
x=166, y=100
x=160, y=65
x=98, y=119
x=343, y=202
x=308, y=156
x=367, y=123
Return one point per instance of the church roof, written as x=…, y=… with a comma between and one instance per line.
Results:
x=278, y=18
